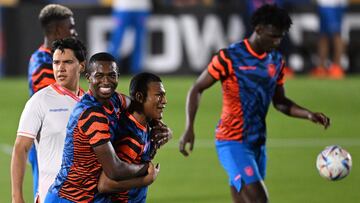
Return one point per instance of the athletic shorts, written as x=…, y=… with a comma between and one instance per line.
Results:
x=243, y=163
x=331, y=19
x=52, y=197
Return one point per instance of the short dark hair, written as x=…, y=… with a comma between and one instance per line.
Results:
x=139, y=83
x=271, y=14
x=101, y=56
x=70, y=43
x=52, y=13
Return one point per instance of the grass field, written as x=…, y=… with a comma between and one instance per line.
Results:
x=292, y=144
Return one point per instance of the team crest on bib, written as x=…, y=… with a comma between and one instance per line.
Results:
x=271, y=70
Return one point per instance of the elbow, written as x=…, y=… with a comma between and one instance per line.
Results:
x=113, y=174
x=282, y=108
x=102, y=187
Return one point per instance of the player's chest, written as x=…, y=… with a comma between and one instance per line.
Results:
x=56, y=116
x=263, y=72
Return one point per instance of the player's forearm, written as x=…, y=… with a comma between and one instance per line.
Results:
x=18, y=166
x=106, y=185
x=126, y=171
x=290, y=108
x=192, y=104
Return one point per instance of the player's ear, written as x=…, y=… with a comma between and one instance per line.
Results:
x=258, y=29
x=82, y=67
x=139, y=97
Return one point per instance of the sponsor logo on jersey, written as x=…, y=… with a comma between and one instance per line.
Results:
x=59, y=110
x=271, y=70
x=247, y=67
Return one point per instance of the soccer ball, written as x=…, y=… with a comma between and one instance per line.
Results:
x=334, y=163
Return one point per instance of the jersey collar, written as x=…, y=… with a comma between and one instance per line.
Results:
x=252, y=52
x=64, y=91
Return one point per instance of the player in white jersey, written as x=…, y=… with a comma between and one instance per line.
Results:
x=44, y=121
x=45, y=116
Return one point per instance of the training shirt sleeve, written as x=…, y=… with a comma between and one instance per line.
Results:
x=94, y=124
x=129, y=148
x=123, y=104
x=220, y=65
x=32, y=117
x=42, y=77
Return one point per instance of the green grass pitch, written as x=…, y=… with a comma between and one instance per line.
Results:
x=293, y=144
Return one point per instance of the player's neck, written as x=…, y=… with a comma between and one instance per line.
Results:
x=47, y=43
x=75, y=89
x=255, y=46
x=141, y=118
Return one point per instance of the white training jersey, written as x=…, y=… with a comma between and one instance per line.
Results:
x=44, y=119
x=132, y=5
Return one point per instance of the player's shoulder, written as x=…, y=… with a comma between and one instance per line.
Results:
x=235, y=49
x=276, y=56
x=41, y=99
x=88, y=104
x=41, y=95
x=41, y=55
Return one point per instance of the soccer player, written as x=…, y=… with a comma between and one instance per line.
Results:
x=57, y=22
x=331, y=20
x=133, y=143
x=251, y=75
x=44, y=118
x=88, y=150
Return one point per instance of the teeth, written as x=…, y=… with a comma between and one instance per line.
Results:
x=105, y=90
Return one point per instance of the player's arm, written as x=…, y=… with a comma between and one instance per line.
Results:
x=290, y=108
x=42, y=77
x=107, y=185
x=115, y=168
x=218, y=69
x=18, y=165
x=204, y=81
x=95, y=125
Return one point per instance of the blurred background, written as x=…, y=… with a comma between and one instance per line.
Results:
x=181, y=34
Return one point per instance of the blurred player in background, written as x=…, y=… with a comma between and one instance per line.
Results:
x=44, y=118
x=133, y=143
x=88, y=150
x=251, y=75
x=130, y=14
x=57, y=22
x=331, y=14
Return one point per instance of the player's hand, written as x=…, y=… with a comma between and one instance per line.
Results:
x=160, y=134
x=320, y=118
x=187, y=138
x=153, y=172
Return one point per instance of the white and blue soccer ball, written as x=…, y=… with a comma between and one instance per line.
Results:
x=334, y=163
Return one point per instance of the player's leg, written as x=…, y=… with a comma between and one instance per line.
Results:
x=121, y=23
x=140, y=26
x=245, y=169
x=336, y=32
x=250, y=193
x=335, y=70
x=256, y=191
